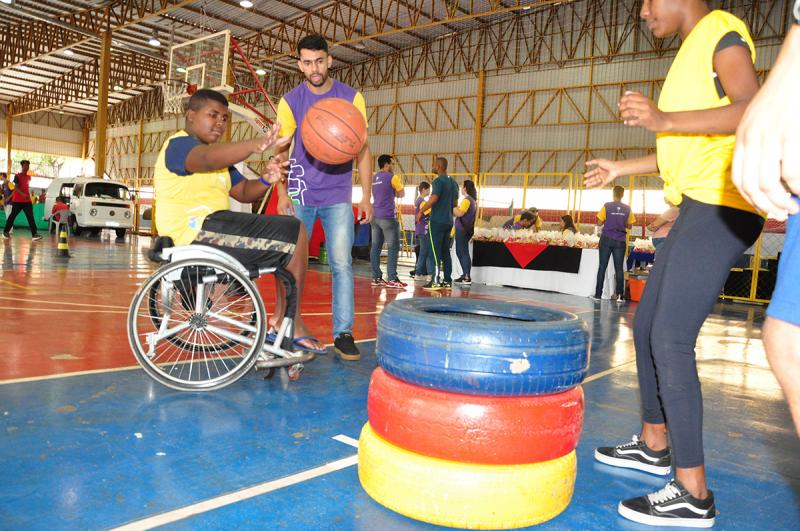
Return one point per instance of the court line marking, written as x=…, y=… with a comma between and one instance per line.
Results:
x=39, y=301
x=243, y=494
x=114, y=369
x=606, y=372
x=346, y=440
x=20, y=286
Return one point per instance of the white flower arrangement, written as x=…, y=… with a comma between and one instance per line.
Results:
x=550, y=237
x=643, y=245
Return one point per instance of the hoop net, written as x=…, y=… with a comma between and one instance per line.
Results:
x=174, y=93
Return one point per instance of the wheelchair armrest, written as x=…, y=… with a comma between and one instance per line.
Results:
x=159, y=244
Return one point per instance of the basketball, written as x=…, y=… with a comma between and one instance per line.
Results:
x=333, y=131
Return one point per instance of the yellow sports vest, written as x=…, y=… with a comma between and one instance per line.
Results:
x=693, y=164
x=184, y=201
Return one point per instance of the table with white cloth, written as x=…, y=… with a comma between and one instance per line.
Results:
x=540, y=266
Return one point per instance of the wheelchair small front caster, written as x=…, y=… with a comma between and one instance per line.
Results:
x=270, y=373
x=294, y=372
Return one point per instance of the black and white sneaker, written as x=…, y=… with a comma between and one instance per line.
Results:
x=345, y=346
x=670, y=506
x=637, y=455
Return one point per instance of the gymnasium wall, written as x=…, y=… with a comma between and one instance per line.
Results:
x=45, y=132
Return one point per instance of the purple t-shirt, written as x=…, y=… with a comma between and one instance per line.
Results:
x=512, y=225
x=383, y=195
x=422, y=224
x=616, y=224
x=312, y=182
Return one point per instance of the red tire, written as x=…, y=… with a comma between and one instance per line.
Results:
x=474, y=429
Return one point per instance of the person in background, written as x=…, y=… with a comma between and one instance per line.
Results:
x=60, y=208
x=21, y=202
x=423, y=246
x=616, y=218
x=567, y=225
x=765, y=165
x=443, y=198
x=385, y=188
x=662, y=224
x=525, y=220
x=465, y=214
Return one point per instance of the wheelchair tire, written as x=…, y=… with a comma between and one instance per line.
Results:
x=202, y=351
x=482, y=347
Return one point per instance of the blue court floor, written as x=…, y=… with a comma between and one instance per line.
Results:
x=110, y=447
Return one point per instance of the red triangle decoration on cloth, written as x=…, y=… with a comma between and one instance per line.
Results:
x=525, y=253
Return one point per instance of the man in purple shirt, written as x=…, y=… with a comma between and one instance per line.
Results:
x=616, y=218
x=318, y=190
x=385, y=187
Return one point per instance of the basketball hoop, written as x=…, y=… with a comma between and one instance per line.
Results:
x=174, y=92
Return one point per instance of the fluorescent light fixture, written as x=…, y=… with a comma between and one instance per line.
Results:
x=154, y=40
x=24, y=68
x=247, y=4
x=9, y=2
x=117, y=87
x=261, y=71
x=181, y=70
x=69, y=52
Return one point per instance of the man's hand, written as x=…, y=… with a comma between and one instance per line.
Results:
x=767, y=153
x=365, y=213
x=602, y=172
x=271, y=139
x=637, y=110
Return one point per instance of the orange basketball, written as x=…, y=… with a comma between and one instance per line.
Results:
x=333, y=131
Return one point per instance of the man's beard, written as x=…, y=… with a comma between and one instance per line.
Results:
x=322, y=81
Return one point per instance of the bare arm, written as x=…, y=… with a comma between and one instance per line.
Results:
x=212, y=157
x=250, y=190
x=603, y=171
x=364, y=164
x=737, y=75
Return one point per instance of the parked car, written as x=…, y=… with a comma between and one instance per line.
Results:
x=94, y=204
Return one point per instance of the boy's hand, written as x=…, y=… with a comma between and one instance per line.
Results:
x=271, y=139
x=276, y=170
x=602, y=172
x=638, y=111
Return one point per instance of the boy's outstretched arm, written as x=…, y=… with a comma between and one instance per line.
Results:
x=213, y=157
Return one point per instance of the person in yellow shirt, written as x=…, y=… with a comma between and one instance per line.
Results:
x=194, y=178
x=706, y=91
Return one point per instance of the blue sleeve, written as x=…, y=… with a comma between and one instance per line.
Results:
x=236, y=177
x=436, y=188
x=177, y=151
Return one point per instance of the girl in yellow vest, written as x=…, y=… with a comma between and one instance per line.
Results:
x=706, y=91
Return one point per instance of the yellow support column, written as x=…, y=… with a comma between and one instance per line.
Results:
x=9, y=134
x=476, y=155
x=101, y=123
x=524, y=190
x=138, y=181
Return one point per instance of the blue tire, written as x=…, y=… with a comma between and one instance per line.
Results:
x=482, y=347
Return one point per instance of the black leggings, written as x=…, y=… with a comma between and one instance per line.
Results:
x=693, y=264
x=16, y=208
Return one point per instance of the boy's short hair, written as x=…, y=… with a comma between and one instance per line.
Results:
x=313, y=42
x=23, y=162
x=199, y=99
x=526, y=216
x=61, y=198
x=383, y=160
x=424, y=185
x=619, y=191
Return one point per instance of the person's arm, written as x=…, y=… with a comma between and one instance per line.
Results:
x=251, y=190
x=737, y=75
x=211, y=157
x=601, y=216
x=603, y=171
x=364, y=163
x=397, y=185
x=631, y=220
x=288, y=127
x=427, y=205
x=461, y=210
x=657, y=223
x=767, y=153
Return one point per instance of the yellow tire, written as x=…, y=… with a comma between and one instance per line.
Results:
x=463, y=495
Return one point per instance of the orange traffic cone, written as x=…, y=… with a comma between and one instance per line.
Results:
x=63, y=244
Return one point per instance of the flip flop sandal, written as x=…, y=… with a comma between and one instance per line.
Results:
x=296, y=343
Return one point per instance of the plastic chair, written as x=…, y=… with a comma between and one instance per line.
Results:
x=58, y=222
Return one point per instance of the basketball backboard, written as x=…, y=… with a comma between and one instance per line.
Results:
x=202, y=62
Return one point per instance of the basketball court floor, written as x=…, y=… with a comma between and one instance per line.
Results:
x=89, y=441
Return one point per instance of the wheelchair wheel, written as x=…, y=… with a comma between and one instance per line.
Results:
x=197, y=325
x=185, y=291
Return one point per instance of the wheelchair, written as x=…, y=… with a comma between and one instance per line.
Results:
x=199, y=323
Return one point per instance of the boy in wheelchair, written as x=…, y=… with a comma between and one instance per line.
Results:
x=194, y=178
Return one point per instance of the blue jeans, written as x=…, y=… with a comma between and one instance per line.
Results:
x=424, y=252
x=609, y=247
x=439, y=235
x=337, y=221
x=389, y=230
x=462, y=252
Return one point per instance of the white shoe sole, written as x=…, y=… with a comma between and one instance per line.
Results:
x=635, y=465
x=662, y=521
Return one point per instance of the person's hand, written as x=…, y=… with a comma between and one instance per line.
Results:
x=767, y=152
x=271, y=139
x=285, y=205
x=601, y=172
x=637, y=110
x=276, y=170
x=652, y=227
x=365, y=213
x=418, y=217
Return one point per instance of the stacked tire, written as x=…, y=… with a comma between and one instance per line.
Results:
x=474, y=412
